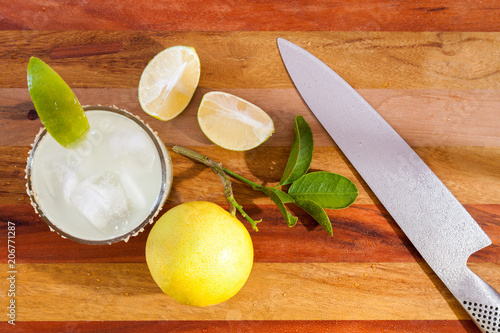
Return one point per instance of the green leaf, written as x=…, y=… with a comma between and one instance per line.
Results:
x=280, y=198
x=300, y=157
x=317, y=212
x=328, y=190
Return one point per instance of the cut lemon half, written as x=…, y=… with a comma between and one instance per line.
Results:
x=169, y=81
x=233, y=123
x=56, y=104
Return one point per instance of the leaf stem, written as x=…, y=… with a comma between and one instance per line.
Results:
x=221, y=172
x=255, y=186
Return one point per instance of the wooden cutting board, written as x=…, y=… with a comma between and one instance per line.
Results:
x=430, y=68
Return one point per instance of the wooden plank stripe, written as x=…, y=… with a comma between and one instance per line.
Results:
x=362, y=233
x=274, y=291
x=254, y=326
x=423, y=117
x=85, y=50
x=459, y=15
x=367, y=60
x=466, y=171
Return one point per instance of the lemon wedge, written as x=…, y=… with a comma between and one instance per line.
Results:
x=169, y=81
x=56, y=104
x=233, y=123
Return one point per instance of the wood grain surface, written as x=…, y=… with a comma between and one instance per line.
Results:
x=432, y=70
x=273, y=15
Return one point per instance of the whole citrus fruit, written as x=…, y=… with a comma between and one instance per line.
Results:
x=199, y=254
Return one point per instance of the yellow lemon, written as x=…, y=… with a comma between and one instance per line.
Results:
x=169, y=81
x=233, y=123
x=199, y=254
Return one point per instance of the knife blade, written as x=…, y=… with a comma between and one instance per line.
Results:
x=435, y=222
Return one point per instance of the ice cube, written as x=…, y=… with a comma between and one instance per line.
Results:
x=60, y=174
x=134, y=191
x=133, y=147
x=102, y=200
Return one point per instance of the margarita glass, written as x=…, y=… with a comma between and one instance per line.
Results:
x=109, y=187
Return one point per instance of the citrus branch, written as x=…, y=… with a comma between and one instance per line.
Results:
x=219, y=170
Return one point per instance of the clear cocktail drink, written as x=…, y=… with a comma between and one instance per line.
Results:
x=109, y=187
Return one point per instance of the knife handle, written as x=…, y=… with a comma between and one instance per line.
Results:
x=481, y=302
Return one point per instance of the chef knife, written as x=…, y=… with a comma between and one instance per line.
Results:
x=431, y=217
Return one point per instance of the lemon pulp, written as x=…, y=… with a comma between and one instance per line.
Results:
x=232, y=122
x=169, y=81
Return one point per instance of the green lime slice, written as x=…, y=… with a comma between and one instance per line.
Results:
x=56, y=104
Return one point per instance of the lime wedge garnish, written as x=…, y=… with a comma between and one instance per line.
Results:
x=56, y=104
